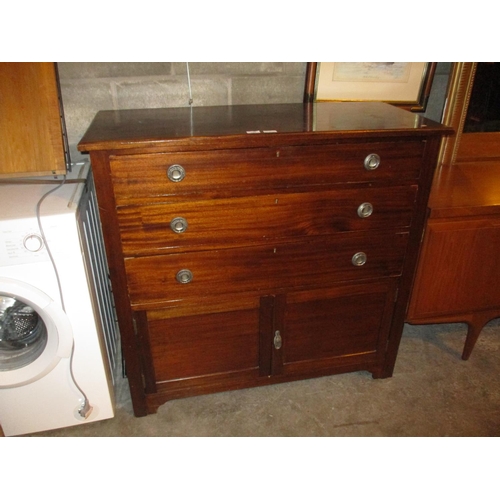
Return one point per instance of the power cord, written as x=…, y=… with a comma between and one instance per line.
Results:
x=85, y=408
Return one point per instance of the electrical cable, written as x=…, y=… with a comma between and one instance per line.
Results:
x=189, y=85
x=190, y=102
x=85, y=408
x=44, y=239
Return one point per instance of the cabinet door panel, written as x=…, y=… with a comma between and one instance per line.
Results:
x=321, y=328
x=145, y=229
x=204, y=345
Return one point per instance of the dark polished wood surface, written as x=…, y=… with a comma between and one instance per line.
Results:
x=266, y=218
x=260, y=124
x=273, y=240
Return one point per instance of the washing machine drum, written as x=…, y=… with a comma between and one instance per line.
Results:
x=35, y=334
x=23, y=334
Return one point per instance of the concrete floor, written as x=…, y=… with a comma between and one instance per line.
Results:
x=432, y=393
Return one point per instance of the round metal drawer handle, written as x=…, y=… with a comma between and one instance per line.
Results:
x=359, y=259
x=178, y=225
x=365, y=210
x=184, y=276
x=176, y=173
x=372, y=161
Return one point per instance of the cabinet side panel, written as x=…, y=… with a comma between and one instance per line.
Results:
x=30, y=121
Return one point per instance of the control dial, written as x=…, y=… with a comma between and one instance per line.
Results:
x=33, y=242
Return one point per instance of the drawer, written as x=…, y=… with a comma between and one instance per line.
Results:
x=311, y=262
x=164, y=227
x=218, y=172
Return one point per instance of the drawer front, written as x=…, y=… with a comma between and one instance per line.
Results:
x=312, y=262
x=164, y=227
x=147, y=176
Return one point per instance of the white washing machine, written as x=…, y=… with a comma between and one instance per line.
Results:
x=58, y=336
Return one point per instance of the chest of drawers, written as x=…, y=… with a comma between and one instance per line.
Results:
x=250, y=245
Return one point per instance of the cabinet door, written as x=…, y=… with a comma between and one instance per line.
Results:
x=263, y=339
x=323, y=331
x=464, y=256
x=212, y=346
x=31, y=137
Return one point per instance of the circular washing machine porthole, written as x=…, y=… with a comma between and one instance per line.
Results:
x=35, y=333
x=23, y=334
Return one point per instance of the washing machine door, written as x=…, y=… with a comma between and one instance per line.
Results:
x=35, y=333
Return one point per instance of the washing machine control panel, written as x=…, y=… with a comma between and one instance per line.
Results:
x=21, y=244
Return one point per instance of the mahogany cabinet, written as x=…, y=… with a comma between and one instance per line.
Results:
x=32, y=132
x=256, y=244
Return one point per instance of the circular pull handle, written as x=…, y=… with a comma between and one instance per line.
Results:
x=372, y=161
x=178, y=225
x=365, y=210
x=184, y=276
x=176, y=173
x=359, y=259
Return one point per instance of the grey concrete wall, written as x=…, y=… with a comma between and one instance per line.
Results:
x=89, y=87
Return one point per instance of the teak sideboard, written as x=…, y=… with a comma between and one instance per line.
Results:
x=255, y=244
x=462, y=238
x=462, y=234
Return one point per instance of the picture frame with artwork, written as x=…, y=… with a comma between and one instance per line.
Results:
x=404, y=84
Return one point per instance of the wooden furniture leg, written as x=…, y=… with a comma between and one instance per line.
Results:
x=475, y=324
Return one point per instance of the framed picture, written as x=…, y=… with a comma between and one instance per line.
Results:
x=405, y=84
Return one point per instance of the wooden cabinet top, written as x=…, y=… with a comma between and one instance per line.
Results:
x=466, y=189
x=216, y=127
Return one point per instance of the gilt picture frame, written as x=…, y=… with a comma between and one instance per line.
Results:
x=455, y=110
x=404, y=84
